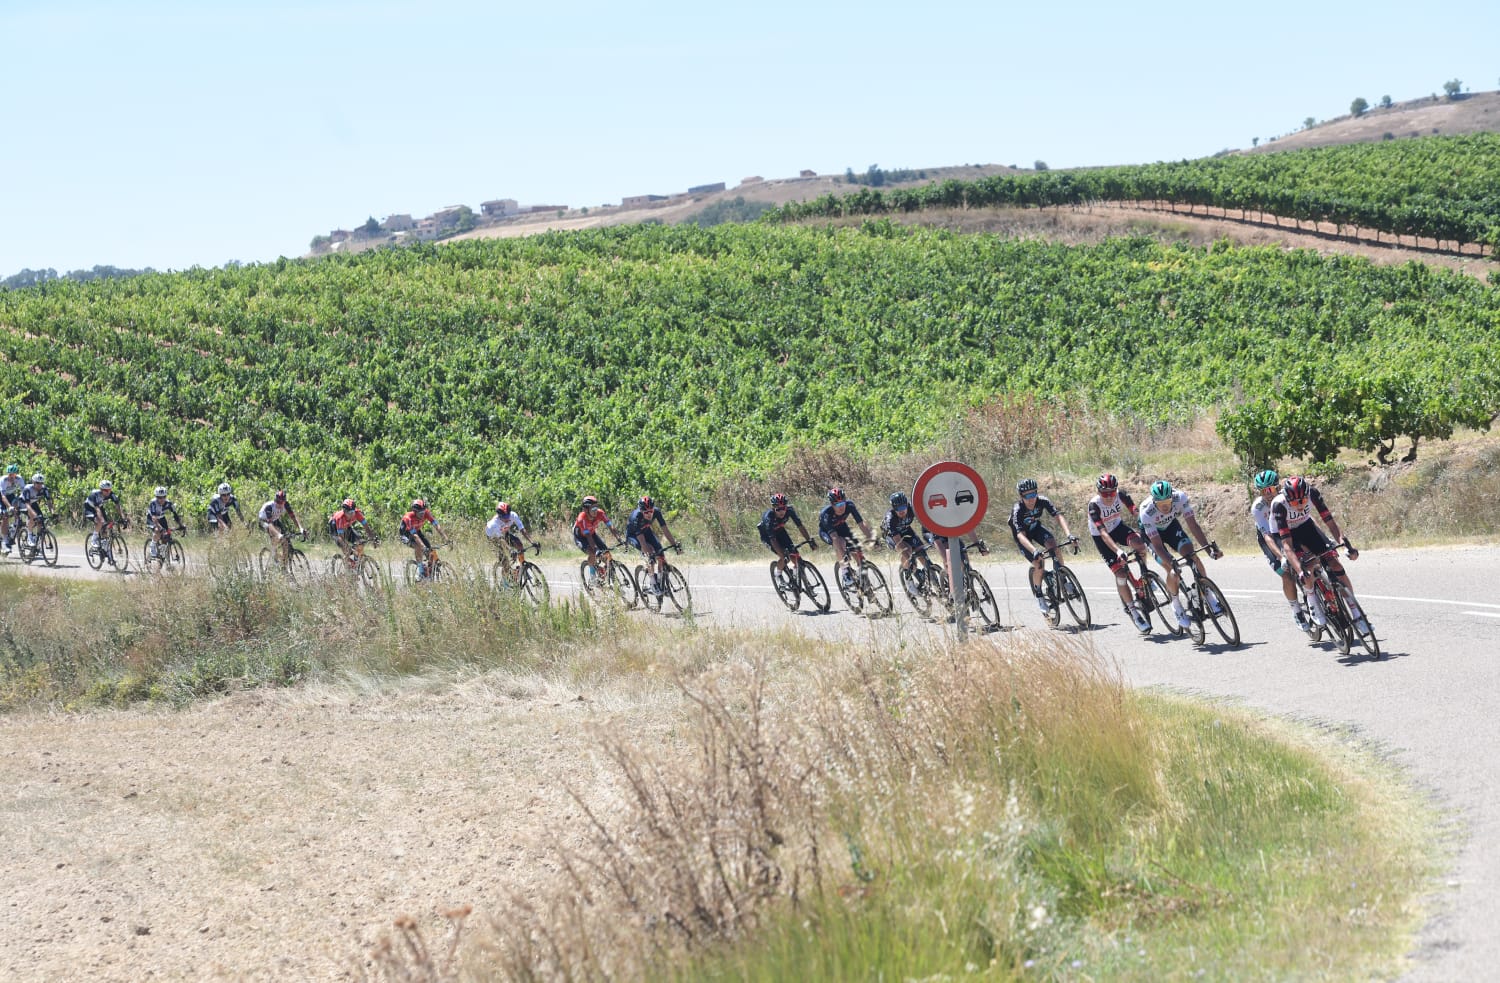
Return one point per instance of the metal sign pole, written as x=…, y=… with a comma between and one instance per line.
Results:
x=956, y=575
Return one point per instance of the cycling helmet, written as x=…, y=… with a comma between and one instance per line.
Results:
x=503, y=508
x=647, y=503
x=898, y=500
x=1026, y=486
x=12, y=469
x=835, y=495
x=1295, y=489
x=1266, y=479
x=39, y=478
x=1107, y=483
x=778, y=501
x=349, y=504
x=281, y=495
x=161, y=491
x=590, y=502
x=224, y=489
x=1161, y=491
x=106, y=485
x=418, y=505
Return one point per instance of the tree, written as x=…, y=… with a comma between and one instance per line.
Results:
x=1040, y=165
x=1358, y=107
x=1453, y=87
x=1309, y=123
x=370, y=228
x=1255, y=141
x=1385, y=102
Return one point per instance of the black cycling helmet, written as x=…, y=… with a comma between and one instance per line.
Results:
x=1025, y=486
x=898, y=500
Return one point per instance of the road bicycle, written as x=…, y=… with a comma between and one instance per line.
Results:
x=607, y=577
x=923, y=581
x=671, y=585
x=802, y=580
x=1060, y=587
x=167, y=556
x=363, y=568
x=110, y=548
x=1335, y=603
x=1151, y=595
x=287, y=560
x=1203, y=600
x=42, y=545
x=861, y=583
x=979, y=599
x=429, y=569
x=520, y=573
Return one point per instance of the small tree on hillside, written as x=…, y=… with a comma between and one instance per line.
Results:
x=1255, y=141
x=1453, y=87
x=1358, y=107
x=1309, y=123
x=370, y=228
x=1385, y=102
x=1040, y=165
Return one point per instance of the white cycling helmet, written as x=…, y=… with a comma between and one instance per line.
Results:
x=39, y=478
x=106, y=485
x=224, y=489
x=161, y=491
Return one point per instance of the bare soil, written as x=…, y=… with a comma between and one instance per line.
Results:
x=276, y=835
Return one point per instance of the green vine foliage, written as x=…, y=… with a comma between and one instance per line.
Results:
x=669, y=359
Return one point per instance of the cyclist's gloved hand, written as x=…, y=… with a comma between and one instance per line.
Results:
x=1353, y=553
x=812, y=547
x=1214, y=551
x=537, y=547
x=984, y=550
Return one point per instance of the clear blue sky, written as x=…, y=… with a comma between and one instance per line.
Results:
x=169, y=133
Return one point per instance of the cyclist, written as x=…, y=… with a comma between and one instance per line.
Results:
x=349, y=528
x=586, y=533
x=32, y=498
x=156, y=519
x=1113, y=536
x=833, y=528
x=410, y=530
x=1031, y=537
x=772, y=529
x=219, y=506
x=1267, y=485
x=501, y=530
x=1299, y=535
x=96, y=510
x=1161, y=523
x=272, y=518
x=640, y=534
x=11, y=487
x=900, y=534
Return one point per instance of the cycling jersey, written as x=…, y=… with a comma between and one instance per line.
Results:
x=638, y=522
x=272, y=511
x=156, y=512
x=583, y=525
x=1029, y=520
x=344, y=519
x=1155, y=517
x=1105, y=515
x=32, y=496
x=412, y=522
x=771, y=523
x=504, y=525
x=896, y=526
x=218, y=508
x=1285, y=516
x=11, y=487
x=829, y=518
x=96, y=501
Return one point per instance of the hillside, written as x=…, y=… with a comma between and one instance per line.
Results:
x=1477, y=112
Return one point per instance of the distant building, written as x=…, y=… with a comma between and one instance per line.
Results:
x=448, y=217
x=398, y=223
x=534, y=209
x=704, y=189
x=499, y=208
x=756, y=179
x=426, y=230
x=338, y=235
x=807, y=173
x=641, y=201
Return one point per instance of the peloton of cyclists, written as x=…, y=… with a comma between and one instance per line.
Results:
x=1113, y=536
x=1299, y=537
x=833, y=528
x=1161, y=524
x=1032, y=538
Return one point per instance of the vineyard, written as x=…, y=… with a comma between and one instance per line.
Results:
x=1441, y=188
x=629, y=359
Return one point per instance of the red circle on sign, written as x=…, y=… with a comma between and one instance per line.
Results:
x=941, y=495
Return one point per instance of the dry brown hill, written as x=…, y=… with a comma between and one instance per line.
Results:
x=1477, y=112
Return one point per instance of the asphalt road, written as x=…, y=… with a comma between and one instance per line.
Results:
x=1430, y=700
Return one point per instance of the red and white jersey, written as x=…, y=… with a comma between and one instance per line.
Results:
x=1106, y=514
x=1285, y=516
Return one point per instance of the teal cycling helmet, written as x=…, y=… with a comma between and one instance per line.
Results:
x=12, y=469
x=1266, y=479
x=1161, y=491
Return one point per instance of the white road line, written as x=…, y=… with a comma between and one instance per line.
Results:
x=1393, y=597
x=1485, y=614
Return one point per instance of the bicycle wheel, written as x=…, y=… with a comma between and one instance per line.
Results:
x=265, y=562
x=1073, y=596
x=1161, y=603
x=914, y=586
x=1054, y=604
x=1194, y=605
x=48, y=544
x=297, y=566
x=814, y=586
x=676, y=590
x=849, y=589
x=981, y=599
x=1366, y=638
x=876, y=591
x=1224, y=621
x=367, y=571
x=643, y=587
x=149, y=563
x=786, y=586
x=93, y=552
x=622, y=584
x=176, y=559
x=533, y=584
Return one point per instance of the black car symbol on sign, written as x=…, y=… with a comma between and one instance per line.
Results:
x=964, y=497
